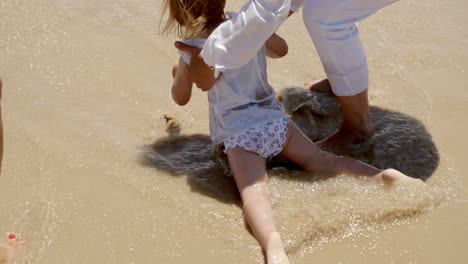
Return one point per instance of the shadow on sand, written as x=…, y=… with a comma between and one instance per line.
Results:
x=193, y=156
x=401, y=142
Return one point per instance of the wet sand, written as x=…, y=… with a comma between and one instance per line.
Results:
x=87, y=85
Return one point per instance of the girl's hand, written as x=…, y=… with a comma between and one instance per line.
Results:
x=276, y=46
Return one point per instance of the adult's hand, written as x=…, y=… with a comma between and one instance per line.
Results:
x=200, y=73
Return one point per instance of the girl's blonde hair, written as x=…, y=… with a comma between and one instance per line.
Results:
x=193, y=18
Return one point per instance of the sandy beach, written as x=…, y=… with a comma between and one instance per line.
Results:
x=87, y=89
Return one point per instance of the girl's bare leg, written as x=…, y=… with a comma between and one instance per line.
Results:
x=302, y=151
x=250, y=175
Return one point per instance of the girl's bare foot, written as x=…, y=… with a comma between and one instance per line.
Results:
x=11, y=248
x=275, y=250
x=319, y=86
x=392, y=176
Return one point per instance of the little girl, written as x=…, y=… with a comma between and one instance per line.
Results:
x=246, y=116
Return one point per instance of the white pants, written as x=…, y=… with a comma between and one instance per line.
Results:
x=332, y=27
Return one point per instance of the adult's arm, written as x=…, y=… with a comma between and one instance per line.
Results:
x=233, y=43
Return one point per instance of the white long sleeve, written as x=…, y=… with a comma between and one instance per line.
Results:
x=235, y=42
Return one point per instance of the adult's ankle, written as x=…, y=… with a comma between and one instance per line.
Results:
x=360, y=131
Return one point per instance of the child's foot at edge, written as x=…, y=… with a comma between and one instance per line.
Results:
x=11, y=248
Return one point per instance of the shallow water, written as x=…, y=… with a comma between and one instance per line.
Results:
x=86, y=88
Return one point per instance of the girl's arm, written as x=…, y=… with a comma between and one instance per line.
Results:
x=276, y=46
x=182, y=86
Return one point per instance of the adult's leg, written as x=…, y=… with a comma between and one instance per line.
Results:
x=332, y=26
x=356, y=125
x=249, y=171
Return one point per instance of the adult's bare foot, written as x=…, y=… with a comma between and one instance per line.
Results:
x=356, y=130
x=319, y=86
x=346, y=140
